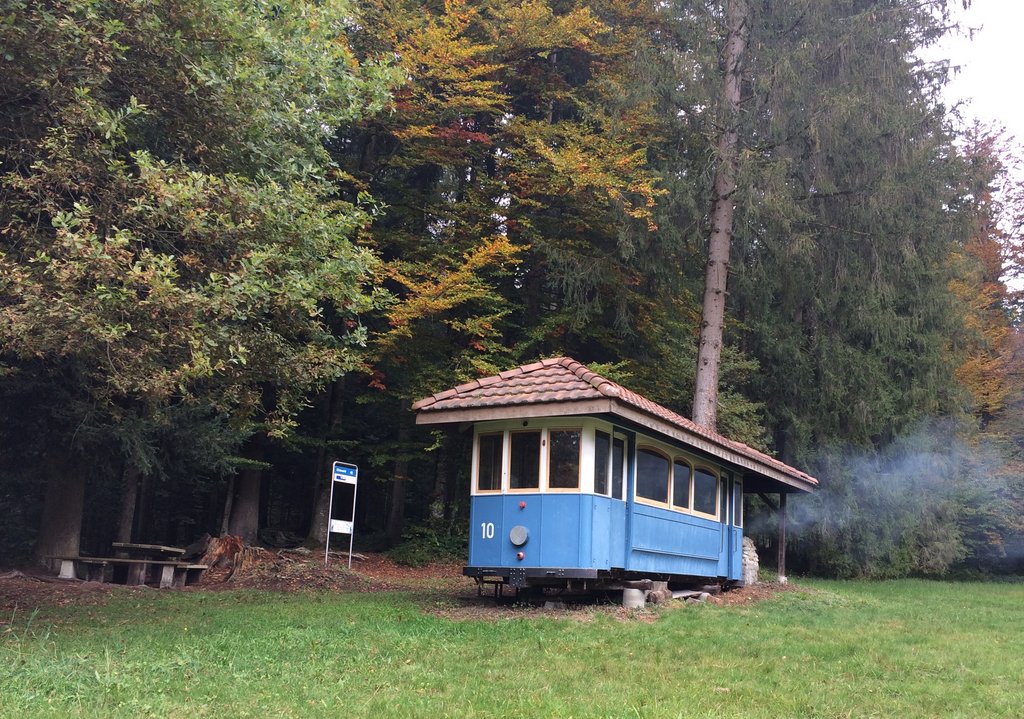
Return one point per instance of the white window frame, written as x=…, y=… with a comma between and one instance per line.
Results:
x=667, y=456
x=507, y=487
x=545, y=443
x=501, y=465
x=718, y=491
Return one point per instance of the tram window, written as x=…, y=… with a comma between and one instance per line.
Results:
x=723, y=502
x=705, y=492
x=652, y=476
x=680, y=484
x=488, y=468
x=602, y=448
x=618, y=459
x=564, y=459
x=524, y=470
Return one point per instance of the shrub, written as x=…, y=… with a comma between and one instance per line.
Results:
x=423, y=545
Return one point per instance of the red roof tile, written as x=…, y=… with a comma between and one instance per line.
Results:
x=563, y=379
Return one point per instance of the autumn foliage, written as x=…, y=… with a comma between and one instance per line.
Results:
x=237, y=240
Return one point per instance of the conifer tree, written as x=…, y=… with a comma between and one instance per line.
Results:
x=712, y=328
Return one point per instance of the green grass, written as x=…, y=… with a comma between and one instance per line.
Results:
x=832, y=649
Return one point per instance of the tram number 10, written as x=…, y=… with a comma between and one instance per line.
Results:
x=487, y=530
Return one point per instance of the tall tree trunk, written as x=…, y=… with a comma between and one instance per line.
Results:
x=245, y=510
x=396, y=513
x=229, y=501
x=143, y=516
x=330, y=425
x=61, y=528
x=705, y=398
x=129, y=498
x=245, y=507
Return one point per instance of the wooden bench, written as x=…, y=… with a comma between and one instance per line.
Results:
x=132, y=571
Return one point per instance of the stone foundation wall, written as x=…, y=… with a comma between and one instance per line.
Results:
x=751, y=566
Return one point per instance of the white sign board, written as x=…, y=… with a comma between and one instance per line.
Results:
x=345, y=474
x=340, y=526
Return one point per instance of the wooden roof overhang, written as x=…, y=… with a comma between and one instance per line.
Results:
x=564, y=387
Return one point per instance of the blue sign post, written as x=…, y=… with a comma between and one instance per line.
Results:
x=346, y=474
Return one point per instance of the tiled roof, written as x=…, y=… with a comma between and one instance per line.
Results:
x=550, y=380
x=563, y=379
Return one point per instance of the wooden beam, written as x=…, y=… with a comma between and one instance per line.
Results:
x=782, y=537
x=518, y=411
x=768, y=500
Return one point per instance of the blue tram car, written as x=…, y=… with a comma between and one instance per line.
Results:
x=577, y=480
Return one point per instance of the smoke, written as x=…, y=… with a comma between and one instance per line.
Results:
x=932, y=501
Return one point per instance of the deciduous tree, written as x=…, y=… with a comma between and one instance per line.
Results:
x=168, y=235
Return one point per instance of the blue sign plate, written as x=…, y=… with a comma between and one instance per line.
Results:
x=347, y=473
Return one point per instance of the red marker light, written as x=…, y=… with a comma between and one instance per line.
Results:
x=522, y=505
x=520, y=556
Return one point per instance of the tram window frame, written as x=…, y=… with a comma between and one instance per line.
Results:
x=602, y=463
x=706, y=472
x=551, y=432
x=652, y=481
x=536, y=464
x=496, y=479
x=680, y=462
x=619, y=468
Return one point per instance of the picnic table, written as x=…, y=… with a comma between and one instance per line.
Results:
x=148, y=551
x=133, y=564
x=146, y=555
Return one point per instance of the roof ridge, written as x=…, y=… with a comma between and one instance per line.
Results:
x=602, y=384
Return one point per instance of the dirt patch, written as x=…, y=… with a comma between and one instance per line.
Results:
x=751, y=594
x=293, y=570
x=22, y=594
x=439, y=588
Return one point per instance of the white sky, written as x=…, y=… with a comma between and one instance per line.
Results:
x=989, y=78
x=991, y=60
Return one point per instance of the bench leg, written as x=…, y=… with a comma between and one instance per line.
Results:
x=95, y=572
x=137, y=574
x=166, y=576
x=67, y=569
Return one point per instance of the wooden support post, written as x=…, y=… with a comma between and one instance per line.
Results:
x=782, y=538
x=166, y=576
x=137, y=574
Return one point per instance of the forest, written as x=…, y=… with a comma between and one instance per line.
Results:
x=238, y=239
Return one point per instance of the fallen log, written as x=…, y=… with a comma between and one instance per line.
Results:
x=344, y=555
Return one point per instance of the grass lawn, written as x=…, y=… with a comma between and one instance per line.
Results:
x=829, y=649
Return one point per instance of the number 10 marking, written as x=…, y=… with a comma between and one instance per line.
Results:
x=487, y=530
